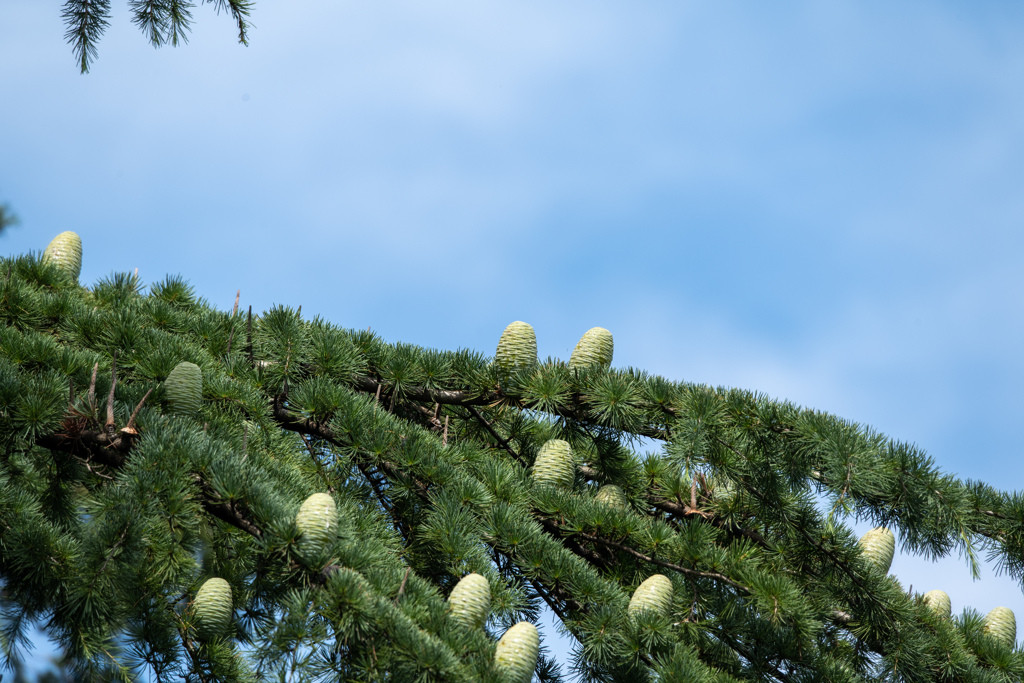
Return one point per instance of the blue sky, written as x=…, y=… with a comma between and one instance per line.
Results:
x=818, y=201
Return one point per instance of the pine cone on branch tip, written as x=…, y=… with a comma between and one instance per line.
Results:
x=878, y=546
x=184, y=389
x=516, y=654
x=65, y=251
x=612, y=496
x=470, y=600
x=317, y=522
x=555, y=465
x=594, y=348
x=938, y=602
x=1001, y=625
x=653, y=595
x=213, y=609
x=517, y=348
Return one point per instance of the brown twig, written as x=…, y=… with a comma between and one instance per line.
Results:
x=110, y=399
x=248, y=337
x=401, y=589
x=91, y=470
x=444, y=437
x=504, y=444
x=92, y=390
x=428, y=415
x=130, y=427
x=234, y=311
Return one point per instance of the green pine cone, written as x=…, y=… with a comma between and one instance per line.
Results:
x=594, y=348
x=654, y=594
x=517, y=347
x=938, y=602
x=554, y=464
x=65, y=250
x=723, y=488
x=516, y=654
x=184, y=389
x=612, y=496
x=1002, y=625
x=317, y=521
x=878, y=546
x=213, y=609
x=470, y=600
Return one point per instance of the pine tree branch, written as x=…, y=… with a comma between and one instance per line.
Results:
x=111, y=448
x=549, y=600
x=107, y=559
x=721, y=578
x=226, y=511
x=187, y=643
x=396, y=521
x=296, y=423
x=150, y=16
x=109, y=426
x=91, y=446
x=555, y=530
x=684, y=511
x=487, y=425
x=86, y=20
x=429, y=416
x=577, y=411
x=751, y=657
x=240, y=11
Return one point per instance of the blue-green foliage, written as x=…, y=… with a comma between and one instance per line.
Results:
x=113, y=512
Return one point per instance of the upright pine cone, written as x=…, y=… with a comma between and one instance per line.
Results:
x=65, y=250
x=878, y=546
x=213, y=609
x=517, y=348
x=1002, y=625
x=654, y=594
x=554, y=464
x=516, y=654
x=184, y=389
x=470, y=600
x=317, y=521
x=594, y=348
x=612, y=496
x=938, y=602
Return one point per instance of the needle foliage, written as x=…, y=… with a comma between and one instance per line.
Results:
x=163, y=22
x=115, y=509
